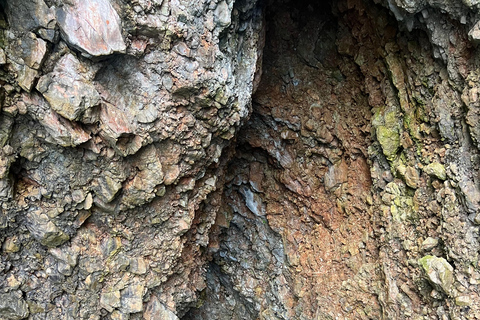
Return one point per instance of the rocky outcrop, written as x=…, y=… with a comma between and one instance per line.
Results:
x=93, y=27
x=239, y=160
x=114, y=119
x=351, y=161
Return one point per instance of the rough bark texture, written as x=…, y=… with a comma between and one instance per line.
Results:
x=152, y=168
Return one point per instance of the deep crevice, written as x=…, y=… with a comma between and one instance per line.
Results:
x=308, y=133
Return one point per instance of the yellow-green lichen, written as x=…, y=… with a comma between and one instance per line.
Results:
x=439, y=272
x=437, y=170
x=387, y=126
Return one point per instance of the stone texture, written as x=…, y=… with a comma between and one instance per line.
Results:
x=13, y=306
x=387, y=130
x=439, y=272
x=26, y=77
x=31, y=50
x=410, y=129
x=110, y=300
x=93, y=27
x=429, y=243
x=474, y=33
x=132, y=298
x=30, y=15
x=157, y=311
x=239, y=160
x=437, y=170
x=68, y=89
x=59, y=130
x=44, y=230
x=463, y=301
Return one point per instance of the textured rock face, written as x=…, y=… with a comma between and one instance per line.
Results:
x=92, y=27
x=353, y=192
x=138, y=180
x=114, y=120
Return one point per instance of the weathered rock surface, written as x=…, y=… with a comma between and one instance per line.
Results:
x=353, y=151
x=92, y=27
x=12, y=306
x=114, y=118
x=239, y=159
x=439, y=272
x=68, y=89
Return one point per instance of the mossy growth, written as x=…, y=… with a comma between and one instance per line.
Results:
x=402, y=206
x=437, y=170
x=387, y=124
